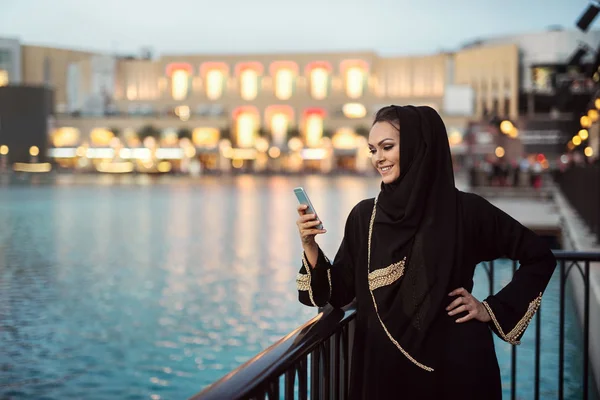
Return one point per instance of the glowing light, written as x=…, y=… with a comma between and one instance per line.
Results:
x=313, y=129
x=588, y=151
x=279, y=127
x=169, y=137
x=164, y=166
x=564, y=159
x=570, y=145
x=274, y=152
x=344, y=138
x=319, y=81
x=354, y=110
x=32, y=167
x=34, y=151
x=108, y=167
x=262, y=144
x=237, y=163
x=455, y=138
x=101, y=136
x=189, y=152
x=354, y=82
x=499, y=152
x=506, y=126
x=65, y=137
x=585, y=121
x=284, y=83
x=180, y=81
x=597, y=103
x=576, y=140
x=183, y=112
x=246, y=124
x=583, y=134
x=215, y=79
x=314, y=154
x=80, y=152
x=131, y=92
x=3, y=150
x=249, y=84
x=149, y=142
x=205, y=137
x=593, y=115
x=295, y=144
x=3, y=77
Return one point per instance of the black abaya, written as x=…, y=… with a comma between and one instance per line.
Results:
x=464, y=356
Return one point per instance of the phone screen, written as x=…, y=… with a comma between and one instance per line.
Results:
x=303, y=199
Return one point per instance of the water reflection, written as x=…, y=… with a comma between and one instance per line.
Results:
x=153, y=289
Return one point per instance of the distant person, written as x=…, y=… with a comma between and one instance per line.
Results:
x=408, y=257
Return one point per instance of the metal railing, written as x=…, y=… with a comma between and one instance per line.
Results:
x=314, y=359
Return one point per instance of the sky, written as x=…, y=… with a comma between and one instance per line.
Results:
x=388, y=27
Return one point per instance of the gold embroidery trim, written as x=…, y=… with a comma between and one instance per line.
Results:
x=303, y=281
x=511, y=337
x=394, y=341
x=386, y=276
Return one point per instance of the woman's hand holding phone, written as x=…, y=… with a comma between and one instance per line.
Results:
x=307, y=224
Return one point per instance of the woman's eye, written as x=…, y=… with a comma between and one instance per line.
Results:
x=386, y=148
x=372, y=151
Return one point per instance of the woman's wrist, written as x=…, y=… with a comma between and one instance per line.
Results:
x=312, y=253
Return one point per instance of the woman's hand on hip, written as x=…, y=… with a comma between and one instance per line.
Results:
x=466, y=302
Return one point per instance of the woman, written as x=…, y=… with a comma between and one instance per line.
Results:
x=408, y=258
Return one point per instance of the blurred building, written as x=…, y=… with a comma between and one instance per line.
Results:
x=555, y=86
x=309, y=106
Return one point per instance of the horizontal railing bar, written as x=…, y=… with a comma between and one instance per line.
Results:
x=279, y=357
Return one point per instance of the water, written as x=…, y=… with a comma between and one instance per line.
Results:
x=133, y=289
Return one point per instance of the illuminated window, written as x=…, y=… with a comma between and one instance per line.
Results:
x=319, y=80
x=3, y=77
x=313, y=127
x=180, y=84
x=279, y=118
x=180, y=79
x=246, y=126
x=249, y=74
x=354, y=82
x=284, y=84
x=215, y=80
x=284, y=73
x=355, y=75
x=249, y=84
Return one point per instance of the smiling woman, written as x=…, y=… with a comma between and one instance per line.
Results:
x=384, y=140
x=408, y=257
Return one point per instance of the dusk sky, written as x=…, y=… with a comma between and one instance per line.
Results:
x=388, y=27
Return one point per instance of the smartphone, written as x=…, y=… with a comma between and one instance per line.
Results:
x=303, y=199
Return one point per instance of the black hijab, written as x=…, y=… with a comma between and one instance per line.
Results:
x=416, y=217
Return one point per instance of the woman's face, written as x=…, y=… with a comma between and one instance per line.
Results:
x=384, y=146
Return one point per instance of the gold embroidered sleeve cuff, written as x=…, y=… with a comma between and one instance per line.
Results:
x=514, y=335
x=316, y=281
